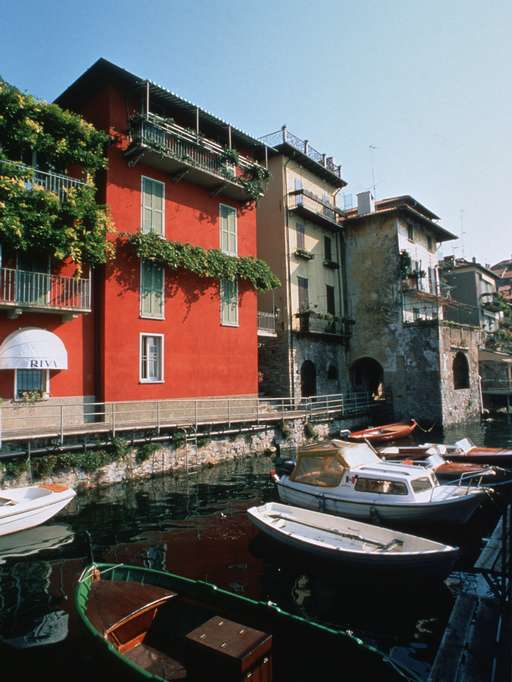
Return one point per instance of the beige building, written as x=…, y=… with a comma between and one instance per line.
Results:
x=302, y=326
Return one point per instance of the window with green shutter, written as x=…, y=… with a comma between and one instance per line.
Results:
x=229, y=302
x=228, y=237
x=151, y=290
x=153, y=195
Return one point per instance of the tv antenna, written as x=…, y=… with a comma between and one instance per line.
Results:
x=372, y=149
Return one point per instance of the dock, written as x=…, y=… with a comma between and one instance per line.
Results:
x=477, y=643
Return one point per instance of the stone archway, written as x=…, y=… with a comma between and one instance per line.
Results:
x=460, y=370
x=366, y=374
x=307, y=379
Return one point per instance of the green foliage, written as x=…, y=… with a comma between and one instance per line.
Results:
x=42, y=466
x=230, y=155
x=179, y=438
x=14, y=467
x=70, y=225
x=255, y=181
x=202, y=262
x=118, y=448
x=145, y=451
x=59, y=137
x=202, y=441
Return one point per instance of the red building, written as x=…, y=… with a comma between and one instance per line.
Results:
x=147, y=331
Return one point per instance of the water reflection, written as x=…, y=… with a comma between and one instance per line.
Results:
x=196, y=525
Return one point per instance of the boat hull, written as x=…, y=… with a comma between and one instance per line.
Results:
x=383, y=434
x=455, y=511
x=483, y=456
x=420, y=565
x=28, y=514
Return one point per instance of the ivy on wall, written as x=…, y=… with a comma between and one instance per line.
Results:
x=65, y=223
x=202, y=262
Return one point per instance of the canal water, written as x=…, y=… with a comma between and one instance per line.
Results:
x=196, y=525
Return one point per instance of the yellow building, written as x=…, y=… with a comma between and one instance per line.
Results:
x=301, y=326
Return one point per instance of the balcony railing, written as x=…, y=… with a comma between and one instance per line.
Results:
x=52, y=182
x=497, y=386
x=188, y=151
x=26, y=289
x=284, y=136
x=314, y=208
x=266, y=324
x=311, y=322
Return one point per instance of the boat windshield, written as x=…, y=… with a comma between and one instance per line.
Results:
x=380, y=486
x=421, y=484
x=319, y=469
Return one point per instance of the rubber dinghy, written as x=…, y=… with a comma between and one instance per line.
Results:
x=352, y=543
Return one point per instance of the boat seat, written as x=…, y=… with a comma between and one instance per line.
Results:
x=156, y=662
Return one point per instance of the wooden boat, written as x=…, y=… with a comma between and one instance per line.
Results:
x=382, y=434
x=22, y=508
x=466, y=451
x=350, y=479
x=161, y=626
x=352, y=543
x=446, y=470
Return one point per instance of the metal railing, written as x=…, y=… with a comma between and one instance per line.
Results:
x=284, y=136
x=266, y=323
x=53, y=421
x=306, y=200
x=317, y=323
x=52, y=182
x=497, y=386
x=183, y=145
x=24, y=288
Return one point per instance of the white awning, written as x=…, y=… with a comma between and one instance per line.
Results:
x=33, y=348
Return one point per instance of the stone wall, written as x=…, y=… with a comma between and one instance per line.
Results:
x=168, y=459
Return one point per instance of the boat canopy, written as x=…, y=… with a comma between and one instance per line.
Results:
x=33, y=348
x=324, y=463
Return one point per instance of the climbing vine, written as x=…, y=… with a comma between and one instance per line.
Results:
x=202, y=262
x=61, y=219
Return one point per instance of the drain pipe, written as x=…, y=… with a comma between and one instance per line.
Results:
x=291, y=369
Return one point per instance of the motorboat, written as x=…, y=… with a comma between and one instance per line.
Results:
x=350, y=479
x=151, y=624
x=360, y=546
x=465, y=450
x=384, y=433
x=29, y=506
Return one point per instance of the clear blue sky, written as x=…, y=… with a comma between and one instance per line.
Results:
x=426, y=83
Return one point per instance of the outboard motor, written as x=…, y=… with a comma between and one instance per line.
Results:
x=345, y=433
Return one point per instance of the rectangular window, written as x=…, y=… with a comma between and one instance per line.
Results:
x=430, y=244
x=29, y=381
x=229, y=302
x=331, y=305
x=151, y=358
x=299, y=198
x=303, y=293
x=153, y=195
x=228, y=236
x=301, y=236
x=151, y=290
x=410, y=232
x=327, y=248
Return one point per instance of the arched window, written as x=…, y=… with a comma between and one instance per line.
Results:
x=308, y=379
x=460, y=371
x=366, y=374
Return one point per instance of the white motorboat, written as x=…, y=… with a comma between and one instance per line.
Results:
x=358, y=545
x=349, y=479
x=29, y=506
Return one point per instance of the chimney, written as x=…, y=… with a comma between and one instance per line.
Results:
x=365, y=203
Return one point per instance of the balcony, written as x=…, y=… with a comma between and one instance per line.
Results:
x=311, y=322
x=52, y=182
x=179, y=152
x=266, y=324
x=312, y=207
x=23, y=290
x=497, y=386
x=318, y=163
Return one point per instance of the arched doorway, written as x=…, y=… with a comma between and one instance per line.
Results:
x=460, y=369
x=366, y=374
x=307, y=379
